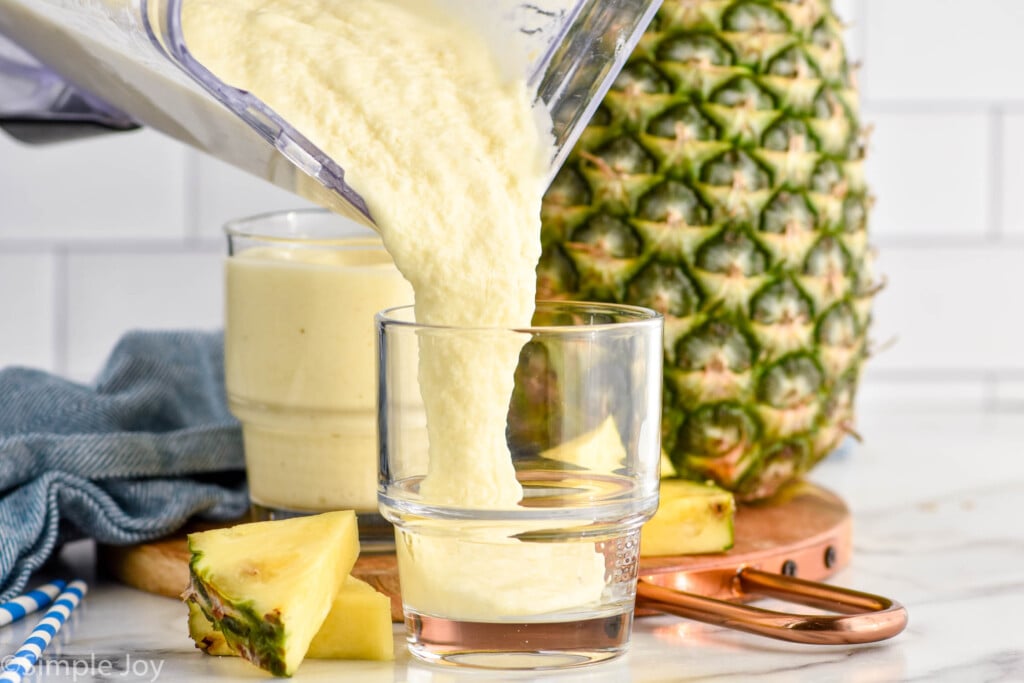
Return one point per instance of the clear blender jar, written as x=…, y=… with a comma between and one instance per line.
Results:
x=117, y=63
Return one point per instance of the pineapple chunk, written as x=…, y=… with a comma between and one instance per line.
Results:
x=357, y=627
x=599, y=450
x=692, y=518
x=268, y=586
x=668, y=470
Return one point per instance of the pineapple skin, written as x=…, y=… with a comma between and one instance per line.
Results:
x=721, y=183
x=204, y=635
x=260, y=638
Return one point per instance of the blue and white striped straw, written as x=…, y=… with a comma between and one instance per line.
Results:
x=30, y=602
x=27, y=656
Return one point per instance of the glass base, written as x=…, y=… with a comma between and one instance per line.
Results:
x=532, y=646
x=376, y=534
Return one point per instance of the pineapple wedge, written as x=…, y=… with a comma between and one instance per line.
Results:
x=268, y=586
x=599, y=450
x=668, y=470
x=357, y=627
x=692, y=518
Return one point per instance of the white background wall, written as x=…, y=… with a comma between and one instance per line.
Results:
x=104, y=235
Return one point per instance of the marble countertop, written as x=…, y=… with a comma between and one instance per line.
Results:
x=937, y=501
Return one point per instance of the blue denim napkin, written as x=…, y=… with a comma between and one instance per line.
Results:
x=131, y=458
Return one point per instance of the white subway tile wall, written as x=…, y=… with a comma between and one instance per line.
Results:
x=954, y=52
x=117, y=289
x=124, y=231
x=28, y=284
x=939, y=189
x=1011, y=168
x=224, y=193
x=130, y=186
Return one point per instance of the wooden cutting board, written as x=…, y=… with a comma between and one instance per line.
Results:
x=804, y=531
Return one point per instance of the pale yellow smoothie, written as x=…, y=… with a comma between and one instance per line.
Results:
x=300, y=370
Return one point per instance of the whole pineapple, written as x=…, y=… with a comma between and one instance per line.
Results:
x=721, y=183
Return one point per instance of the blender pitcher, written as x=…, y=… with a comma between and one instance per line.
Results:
x=111, y=64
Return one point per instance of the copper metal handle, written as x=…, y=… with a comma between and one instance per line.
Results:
x=862, y=618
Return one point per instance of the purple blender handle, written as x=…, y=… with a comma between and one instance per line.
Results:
x=37, y=106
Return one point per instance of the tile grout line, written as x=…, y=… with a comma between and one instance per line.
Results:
x=61, y=309
x=111, y=245
x=922, y=241
x=938, y=374
x=932, y=107
x=990, y=401
x=997, y=135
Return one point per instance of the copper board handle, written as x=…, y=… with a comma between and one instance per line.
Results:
x=862, y=618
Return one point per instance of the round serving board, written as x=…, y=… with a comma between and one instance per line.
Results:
x=804, y=531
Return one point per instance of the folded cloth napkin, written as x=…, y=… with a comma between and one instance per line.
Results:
x=127, y=460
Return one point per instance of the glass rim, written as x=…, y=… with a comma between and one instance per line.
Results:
x=346, y=233
x=641, y=318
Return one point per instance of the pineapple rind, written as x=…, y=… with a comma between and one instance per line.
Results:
x=728, y=158
x=261, y=639
x=203, y=633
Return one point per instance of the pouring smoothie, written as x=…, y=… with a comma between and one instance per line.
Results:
x=447, y=153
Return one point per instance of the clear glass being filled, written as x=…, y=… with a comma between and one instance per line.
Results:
x=299, y=347
x=545, y=579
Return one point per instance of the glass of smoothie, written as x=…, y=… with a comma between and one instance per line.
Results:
x=300, y=361
x=519, y=549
